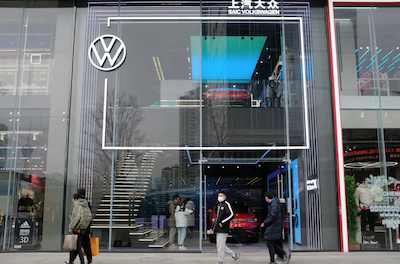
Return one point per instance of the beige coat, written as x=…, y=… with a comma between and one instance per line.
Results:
x=171, y=207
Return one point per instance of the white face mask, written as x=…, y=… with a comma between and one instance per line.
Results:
x=220, y=199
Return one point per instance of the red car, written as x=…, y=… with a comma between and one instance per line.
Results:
x=227, y=96
x=243, y=218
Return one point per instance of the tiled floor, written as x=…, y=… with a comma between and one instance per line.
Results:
x=203, y=258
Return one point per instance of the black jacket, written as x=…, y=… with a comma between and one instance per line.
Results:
x=224, y=216
x=273, y=223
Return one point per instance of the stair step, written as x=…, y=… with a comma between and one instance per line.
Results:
x=161, y=243
x=151, y=238
x=118, y=210
x=114, y=220
x=116, y=226
x=119, y=215
x=117, y=205
x=141, y=232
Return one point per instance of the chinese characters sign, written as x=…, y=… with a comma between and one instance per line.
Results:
x=254, y=7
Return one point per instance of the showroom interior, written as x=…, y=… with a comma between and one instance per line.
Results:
x=192, y=98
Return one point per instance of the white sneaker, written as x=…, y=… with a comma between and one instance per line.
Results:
x=374, y=242
x=182, y=248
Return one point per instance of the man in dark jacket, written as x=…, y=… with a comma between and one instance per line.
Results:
x=273, y=228
x=86, y=237
x=221, y=227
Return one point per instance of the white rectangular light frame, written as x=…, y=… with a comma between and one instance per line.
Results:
x=303, y=64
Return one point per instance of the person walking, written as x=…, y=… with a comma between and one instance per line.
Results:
x=86, y=237
x=221, y=227
x=171, y=206
x=80, y=220
x=181, y=220
x=190, y=205
x=282, y=203
x=273, y=228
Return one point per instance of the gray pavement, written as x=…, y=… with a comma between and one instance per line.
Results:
x=204, y=258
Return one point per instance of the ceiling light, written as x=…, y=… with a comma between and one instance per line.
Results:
x=206, y=87
x=238, y=167
x=367, y=47
x=376, y=47
x=223, y=167
x=234, y=86
x=266, y=48
x=256, y=72
x=361, y=47
x=261, y=62
x=397, y=48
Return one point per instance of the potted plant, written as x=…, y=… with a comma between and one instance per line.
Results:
x=352, y=212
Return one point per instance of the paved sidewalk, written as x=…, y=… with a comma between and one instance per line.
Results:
x=205, y=258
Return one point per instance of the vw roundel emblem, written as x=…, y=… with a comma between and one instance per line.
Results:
x=107, y=52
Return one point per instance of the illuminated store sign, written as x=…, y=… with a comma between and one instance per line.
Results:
x=258, y=7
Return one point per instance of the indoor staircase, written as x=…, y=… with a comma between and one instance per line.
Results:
x=131, y=185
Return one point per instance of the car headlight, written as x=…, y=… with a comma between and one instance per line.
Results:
x=252, y=220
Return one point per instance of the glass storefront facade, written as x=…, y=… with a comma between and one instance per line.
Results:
x=138, y=102
x=367, y=48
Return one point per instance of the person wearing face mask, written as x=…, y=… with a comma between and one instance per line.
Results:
x=221, y=227
x=273, y=229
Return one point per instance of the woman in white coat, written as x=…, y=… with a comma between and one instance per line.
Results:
x=181, y=218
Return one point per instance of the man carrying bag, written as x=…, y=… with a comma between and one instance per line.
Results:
x=80, y=221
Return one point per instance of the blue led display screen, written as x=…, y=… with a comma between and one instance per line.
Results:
x=228, y=59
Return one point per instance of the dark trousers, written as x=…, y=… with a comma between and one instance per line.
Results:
x=273, y=247
x=86, y=246
x=367, y=217
x=78, y=251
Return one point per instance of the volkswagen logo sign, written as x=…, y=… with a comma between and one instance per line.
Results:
x=114, y=52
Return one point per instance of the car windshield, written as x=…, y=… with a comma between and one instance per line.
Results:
x=240, y=208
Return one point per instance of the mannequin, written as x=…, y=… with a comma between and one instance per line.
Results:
x=274, y=88
x=364, y=199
